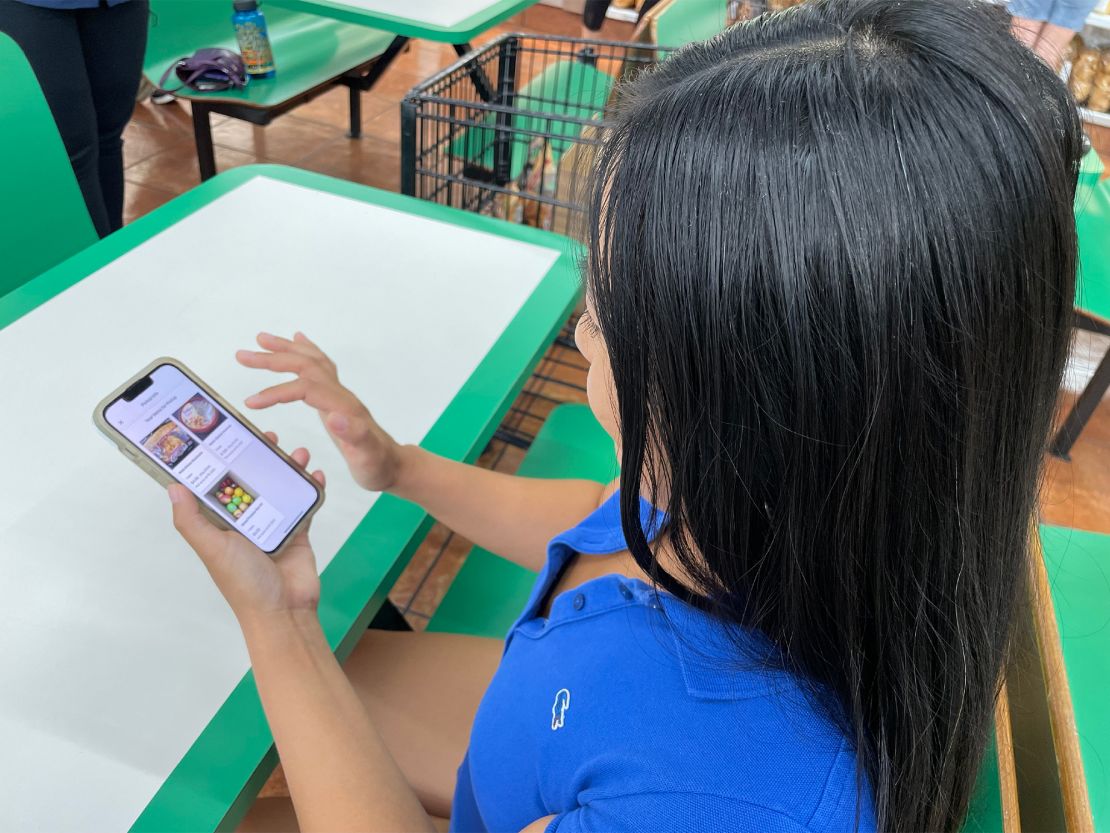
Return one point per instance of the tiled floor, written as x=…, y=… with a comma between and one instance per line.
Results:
x=161, y=164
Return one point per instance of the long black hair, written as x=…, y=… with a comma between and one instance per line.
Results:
x=832, y=256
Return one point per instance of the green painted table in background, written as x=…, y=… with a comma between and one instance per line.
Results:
x=455, y=22
x=447, y=21
x=435, y=317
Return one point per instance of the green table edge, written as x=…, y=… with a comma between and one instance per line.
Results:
x=212, y=786
x=463, y=31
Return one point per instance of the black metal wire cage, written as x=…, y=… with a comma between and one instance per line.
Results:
x=506, y=130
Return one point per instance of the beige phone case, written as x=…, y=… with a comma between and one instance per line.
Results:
x=164, y=477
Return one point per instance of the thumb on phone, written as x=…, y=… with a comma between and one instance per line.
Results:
x=197, y=530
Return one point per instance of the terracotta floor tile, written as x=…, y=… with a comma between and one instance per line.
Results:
x=177, y=171
x=509, y=461
x=1077, y=493
x=173, y=116
x=333, y=108
x=142, y=199
x=386, y=125
x=176, y=115
x=286, y=140
x=404, y=590
x=570, y=371
x=491, y=454
x=369, y=160
x=554, y=21
x=276, y=785
x=141, y=141
x=439, y=579
x=422, y=60
x=395, y=84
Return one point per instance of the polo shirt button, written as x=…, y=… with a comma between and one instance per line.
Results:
x=625, y=591
x=579, y=602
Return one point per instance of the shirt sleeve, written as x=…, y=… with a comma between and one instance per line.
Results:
x=673, y=812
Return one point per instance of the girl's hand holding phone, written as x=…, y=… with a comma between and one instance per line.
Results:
x=372, y=455
x=257, y=586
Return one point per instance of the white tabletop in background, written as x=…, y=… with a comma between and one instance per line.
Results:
x=115, y=647
x=440, y=13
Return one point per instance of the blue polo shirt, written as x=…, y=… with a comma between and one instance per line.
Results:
x=628, y=710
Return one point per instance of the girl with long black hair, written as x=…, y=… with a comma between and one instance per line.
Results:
x=829, y=291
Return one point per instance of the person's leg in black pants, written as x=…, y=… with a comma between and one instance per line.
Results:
x=86, y=88
x=593, y=14
x=113, y=41
x=50, y=41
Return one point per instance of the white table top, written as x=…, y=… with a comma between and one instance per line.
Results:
x=442, y=13
x=451, y=21
x=115, y=647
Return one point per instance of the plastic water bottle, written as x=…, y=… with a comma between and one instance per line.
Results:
x=254, y=39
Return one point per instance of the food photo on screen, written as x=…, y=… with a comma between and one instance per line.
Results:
x=200, y=416
x=232, y=495
x=169, y=443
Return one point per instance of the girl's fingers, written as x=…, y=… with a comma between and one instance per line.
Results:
x=303, y=339
x=271, y=436
x=280, y=362
x=300, y=457
x=328, y=399
x=277, y=344
x=285, y=392
x=318, y=476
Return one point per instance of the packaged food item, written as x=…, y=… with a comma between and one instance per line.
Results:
x=536, y=182
x=1103, y=82
x=1089, y=55
x=1099, y=100
x=1084, y=71
x=738, y=10
x=1072, y=50
x=1080, y=88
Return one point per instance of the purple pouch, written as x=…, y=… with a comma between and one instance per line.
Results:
x=208, y=70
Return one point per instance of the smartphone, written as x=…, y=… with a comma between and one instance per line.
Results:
x=176, y=428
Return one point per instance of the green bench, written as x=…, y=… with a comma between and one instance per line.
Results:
x=312, y=55
x=43, y=218
x=1071, y=602
x=490, y=591
x=680, y=22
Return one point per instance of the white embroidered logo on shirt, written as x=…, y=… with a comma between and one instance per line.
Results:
x=559, y=710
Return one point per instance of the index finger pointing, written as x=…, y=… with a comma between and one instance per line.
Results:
x=280, y=362
x=315, y=395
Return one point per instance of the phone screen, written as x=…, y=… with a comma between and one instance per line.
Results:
x=184, y=431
